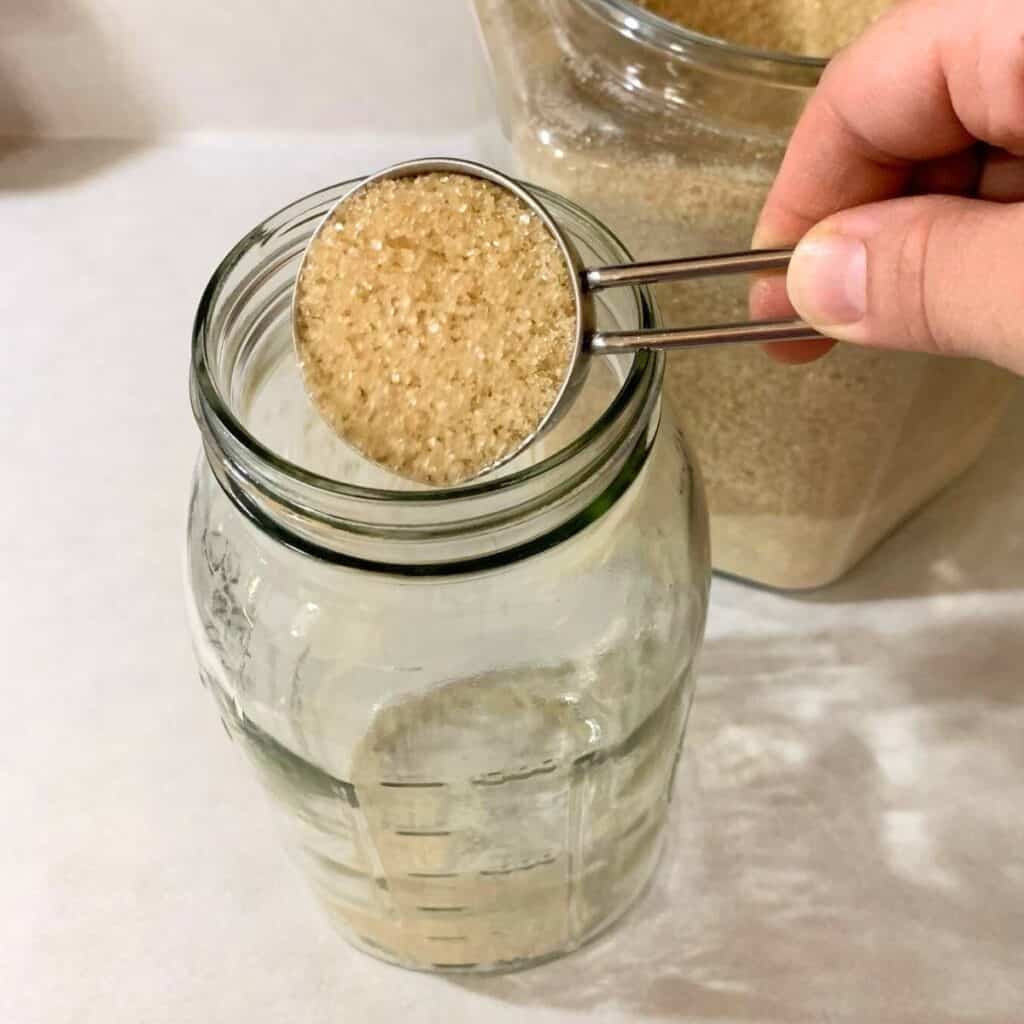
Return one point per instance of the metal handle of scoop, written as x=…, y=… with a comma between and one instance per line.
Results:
x=663, y=271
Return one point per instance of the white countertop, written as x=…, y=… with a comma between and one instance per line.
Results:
x=849, y=835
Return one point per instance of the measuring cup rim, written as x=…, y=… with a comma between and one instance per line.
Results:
x=575, y=367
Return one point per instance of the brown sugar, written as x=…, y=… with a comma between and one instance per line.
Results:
x=435, y=323
x=813, y=28
x=806, y=468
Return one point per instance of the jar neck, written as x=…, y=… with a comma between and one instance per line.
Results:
x=657, y=67
x=412, y=532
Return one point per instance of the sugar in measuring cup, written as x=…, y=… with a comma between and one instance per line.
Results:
x=444, y=321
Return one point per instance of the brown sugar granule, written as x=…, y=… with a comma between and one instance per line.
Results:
x=435, y=324
x=813, y=28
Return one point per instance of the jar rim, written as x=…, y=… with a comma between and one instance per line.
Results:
x=645, y=26
x=214, y=415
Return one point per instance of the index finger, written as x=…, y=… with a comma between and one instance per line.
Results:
x=928, y=80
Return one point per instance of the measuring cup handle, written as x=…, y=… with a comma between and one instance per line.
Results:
x=615, y=342
x=663, y=271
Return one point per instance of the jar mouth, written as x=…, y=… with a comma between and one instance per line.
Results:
x=263, y=262
x=640, y=24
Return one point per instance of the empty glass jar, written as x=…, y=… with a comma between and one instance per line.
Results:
x=672, y=139
x=467, y=705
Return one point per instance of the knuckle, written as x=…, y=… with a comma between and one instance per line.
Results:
x=1002, y=93
x=916, y=287
x=1005, y=124
x=984, y=68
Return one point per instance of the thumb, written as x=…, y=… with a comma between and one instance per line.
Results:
x=930, y=274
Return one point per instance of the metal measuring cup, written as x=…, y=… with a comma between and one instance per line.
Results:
x=585, y=282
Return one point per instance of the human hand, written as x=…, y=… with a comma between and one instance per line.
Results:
x=905, y=181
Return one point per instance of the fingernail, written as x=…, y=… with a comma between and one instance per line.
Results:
x=828, y=280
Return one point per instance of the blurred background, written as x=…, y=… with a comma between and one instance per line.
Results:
x=131, y=68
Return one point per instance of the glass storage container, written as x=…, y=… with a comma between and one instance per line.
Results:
x=467, y=705
x=672, y=139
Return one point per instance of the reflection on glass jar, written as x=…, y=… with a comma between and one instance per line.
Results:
x=672, y=139
x=468, y=705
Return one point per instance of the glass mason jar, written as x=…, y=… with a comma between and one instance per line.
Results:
x=672, y=139
x=468, y=705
